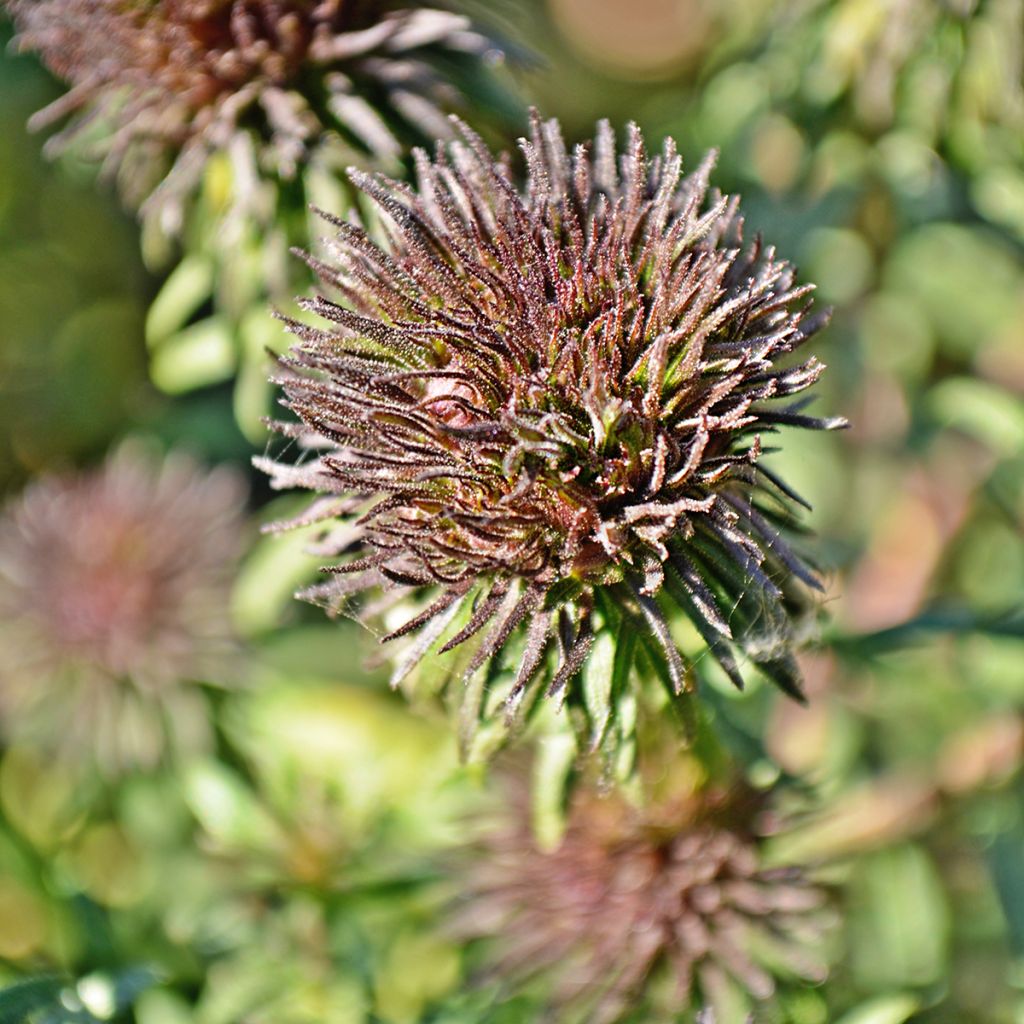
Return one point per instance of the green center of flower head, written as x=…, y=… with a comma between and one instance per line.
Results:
x=548, y=404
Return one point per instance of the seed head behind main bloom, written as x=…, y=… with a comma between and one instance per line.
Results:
x=540, y=413
x=654, y=910
x=168, y=82
x=114, y=597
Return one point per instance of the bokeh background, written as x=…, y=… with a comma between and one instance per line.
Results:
x=290, y=868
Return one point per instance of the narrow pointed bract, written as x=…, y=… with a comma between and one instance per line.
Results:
x=540, y=413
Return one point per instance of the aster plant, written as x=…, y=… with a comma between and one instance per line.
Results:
x=169, y=82
x=535, y=419
x=656, y=911
x=224, y=119
x=114, y=593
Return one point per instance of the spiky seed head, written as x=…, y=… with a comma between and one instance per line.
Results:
x=539, y=414
x=158, y=85
x=661, y=908
x=114, y=595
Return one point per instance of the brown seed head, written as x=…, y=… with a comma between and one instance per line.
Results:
x=163, y=83
x=114, y=590
x=542, y=411
x=663, y=904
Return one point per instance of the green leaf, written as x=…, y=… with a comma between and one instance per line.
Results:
x=598, y=677
x=1005, y=856
x=257, y=332
x=326, y=190
x=894, y=1009
x=161, y=1006
x=899, y=920
x=226, y=808
x=726, y=999
x=989, y=414
x=277, y=566
x=552, y=768
x=966, y=280
x=955, y=620
x=187, y=287
x=195, y=357
x=20, y=1000
x=417, y=969
x=998, y=193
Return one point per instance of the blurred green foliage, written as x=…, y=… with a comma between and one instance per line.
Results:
x=298, y=875
x=72, y=297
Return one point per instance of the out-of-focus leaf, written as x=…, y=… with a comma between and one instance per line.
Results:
x=325, y=190
x=365, y=748
x=418, y=969
x=105, y=996
x=999, y=195
x=39, y=798
x=187, y=287
x=840, y=262
x=225, y=807
x=109, y=867
x=1005, y=855
x=805, y=1006
x=257, y=332
x=20, y=1000
x=987, y=413
x=896, y=336
x=966, y=279
x=598, y=673
x=981, y=754
x=898, y=919
x=195, y=357
x=552, y=767
x=262, y=986
x=276, y=567
x=894, y=1009
x=726, y=999
x=23, y=924
x=162, y=1006
x=990, y=567
x=929, y=623
x=862, y=819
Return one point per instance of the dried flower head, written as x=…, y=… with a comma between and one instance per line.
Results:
x=667, y=909
x=167, y=82
x=540, y=414
x=114, y=589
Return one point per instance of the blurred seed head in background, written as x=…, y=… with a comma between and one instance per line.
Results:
x=114, y=590
x=673, y=901
x=157, y=87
